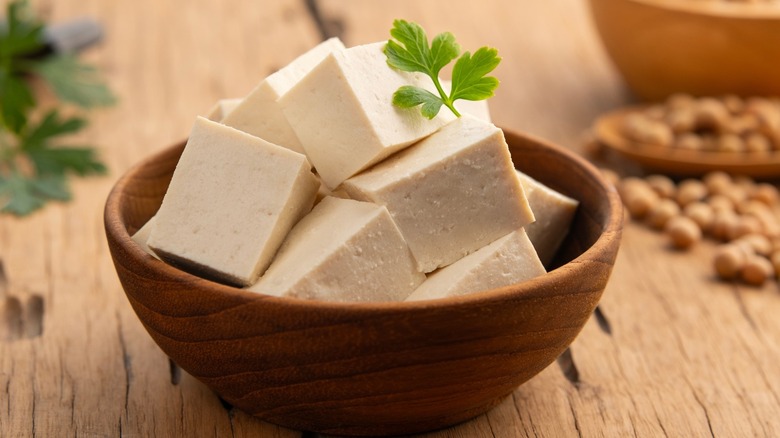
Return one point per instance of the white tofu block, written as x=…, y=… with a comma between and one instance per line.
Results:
x=476, y=108
x=222, y=108
x=450, y=194
x=260, y=114
x=142, y=235
x=232, y=200
x=342, y=112
x=509, y=260
x=554, y=213
x=344, y=250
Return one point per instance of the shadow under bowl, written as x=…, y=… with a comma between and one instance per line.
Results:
x=369, y=368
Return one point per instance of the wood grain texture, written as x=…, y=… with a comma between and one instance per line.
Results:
x=674, y=352
x=702, y=48
x=370, y=369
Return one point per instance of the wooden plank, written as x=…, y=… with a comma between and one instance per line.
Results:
x=675, y=353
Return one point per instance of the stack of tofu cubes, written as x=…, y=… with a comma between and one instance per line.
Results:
x=315, y=186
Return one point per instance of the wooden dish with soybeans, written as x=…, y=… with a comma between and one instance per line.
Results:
x=370, y=368
x=688, y=136
x=702, y=47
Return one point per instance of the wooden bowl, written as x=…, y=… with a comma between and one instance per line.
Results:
x=700, y=47
x=377, y=368
x=681, y=162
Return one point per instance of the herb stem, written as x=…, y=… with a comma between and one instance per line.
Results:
x=446, y=99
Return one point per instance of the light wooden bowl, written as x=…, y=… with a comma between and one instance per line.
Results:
x=704, y=48
x=369, y=369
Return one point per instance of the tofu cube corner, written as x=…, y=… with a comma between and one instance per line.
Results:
x=342, y=112
x=260, y=114
x=232, y=200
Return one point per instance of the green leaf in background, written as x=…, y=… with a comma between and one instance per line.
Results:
x=409, y=97
x=36, y=143
x=51, y=126
x=21, y=34
x=21, y=196
x=75, y=82
x=51, y=187
x=16, y=100
x=60, y=160
x=33, y=165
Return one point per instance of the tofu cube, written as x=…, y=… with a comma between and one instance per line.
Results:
x=343, y=114
x=450, y=194
x=221, y=109
x=509, y=260
x=554, y=213
x=259, y=113
x=344, y=250
x=475, y=108
x=142, y=235
x=232, y=200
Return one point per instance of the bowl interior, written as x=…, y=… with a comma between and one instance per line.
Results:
x=369, y=368
x=551, y=165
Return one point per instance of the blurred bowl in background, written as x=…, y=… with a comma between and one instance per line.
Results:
x=699, y=47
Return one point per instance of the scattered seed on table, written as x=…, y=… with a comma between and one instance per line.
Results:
x=683, y=232
x=756, y=270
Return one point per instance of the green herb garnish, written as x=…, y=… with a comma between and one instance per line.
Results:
x=33, y=166
x=411, y=52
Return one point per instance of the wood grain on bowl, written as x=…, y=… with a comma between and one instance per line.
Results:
x=700, y=47
x=370, y=369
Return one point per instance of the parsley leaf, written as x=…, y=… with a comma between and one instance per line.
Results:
x=416, y=56
x=17, y=196
x=23, y=195
x=51, y=126
x=22, y=34
x=410, y=52
x=58, y=161
x=468, y=76
x=50, y=160
x=74, y=81
x=409, y=96
x=16, y=100
x=34, y=166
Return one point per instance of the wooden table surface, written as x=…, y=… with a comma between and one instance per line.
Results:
x=674, y=352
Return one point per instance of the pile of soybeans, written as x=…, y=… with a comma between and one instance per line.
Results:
x=742, y=214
